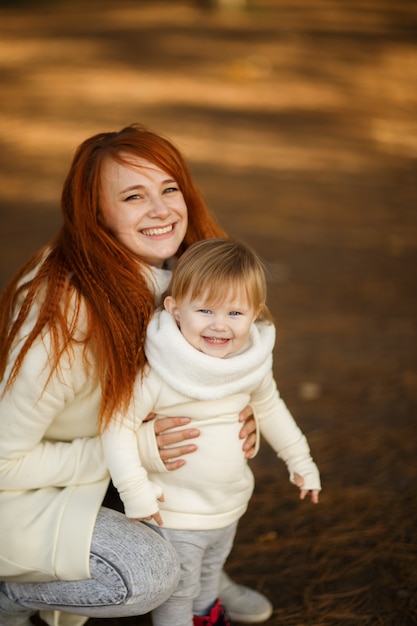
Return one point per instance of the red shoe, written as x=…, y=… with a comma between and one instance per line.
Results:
x=216, y=617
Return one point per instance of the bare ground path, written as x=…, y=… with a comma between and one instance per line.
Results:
x=299, y=120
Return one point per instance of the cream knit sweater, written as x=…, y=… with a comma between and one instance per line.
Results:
x=213, y=488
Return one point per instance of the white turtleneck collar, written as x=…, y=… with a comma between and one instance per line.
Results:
x=158, y=278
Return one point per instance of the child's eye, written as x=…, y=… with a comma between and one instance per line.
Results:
x=205, y=311
x=234, y=313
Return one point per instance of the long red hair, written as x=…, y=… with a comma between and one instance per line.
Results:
x=84, y=268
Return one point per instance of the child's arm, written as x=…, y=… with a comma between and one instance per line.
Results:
x=279, y=428
x=139, y=495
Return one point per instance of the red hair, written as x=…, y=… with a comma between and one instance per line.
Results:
x=85, y=265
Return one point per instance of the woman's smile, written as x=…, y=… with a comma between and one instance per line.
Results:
x=156, y=232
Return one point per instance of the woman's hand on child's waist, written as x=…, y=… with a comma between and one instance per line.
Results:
x=170, y=442
x=167, y=439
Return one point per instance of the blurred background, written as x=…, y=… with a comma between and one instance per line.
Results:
x=298, y=118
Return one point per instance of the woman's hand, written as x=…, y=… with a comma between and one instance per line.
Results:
x=248, y=431
x=164, y=437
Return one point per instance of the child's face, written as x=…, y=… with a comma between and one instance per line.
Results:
x=219, y=329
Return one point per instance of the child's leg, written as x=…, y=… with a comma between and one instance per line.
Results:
x=178, y=609
x=217, y=551
x=195, y=595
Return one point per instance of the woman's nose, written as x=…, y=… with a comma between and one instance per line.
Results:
x=158, y=207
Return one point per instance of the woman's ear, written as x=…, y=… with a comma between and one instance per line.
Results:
x=170, y=305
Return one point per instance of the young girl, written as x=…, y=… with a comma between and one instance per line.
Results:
x=209, y=354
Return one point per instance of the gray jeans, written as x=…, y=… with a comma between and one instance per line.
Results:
x=202, y=554
x=133, y=570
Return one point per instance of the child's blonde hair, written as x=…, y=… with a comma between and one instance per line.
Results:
x=214, y=266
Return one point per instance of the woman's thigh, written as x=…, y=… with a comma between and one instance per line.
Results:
x=132, y=570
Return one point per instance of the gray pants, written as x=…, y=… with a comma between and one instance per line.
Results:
x=132, y=569
x=202, y=554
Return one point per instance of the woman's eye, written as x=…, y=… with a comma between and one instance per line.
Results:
x=135, y=196
x=170, y=189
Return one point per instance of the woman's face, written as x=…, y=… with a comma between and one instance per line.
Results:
x=144, y=209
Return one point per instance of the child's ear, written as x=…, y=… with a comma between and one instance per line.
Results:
x=170, y=305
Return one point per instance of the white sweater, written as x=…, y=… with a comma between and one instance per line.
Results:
x=53, y=474
x=213, y=488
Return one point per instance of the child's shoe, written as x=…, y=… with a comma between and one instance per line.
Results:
x=216, y=617
x=243, y=605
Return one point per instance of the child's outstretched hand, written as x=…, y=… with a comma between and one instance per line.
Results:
x=314, y=493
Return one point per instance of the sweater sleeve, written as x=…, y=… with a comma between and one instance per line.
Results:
x=139, y=495
x=120, y=443
x=148, y=448
x=280, y=430
x=28, y=460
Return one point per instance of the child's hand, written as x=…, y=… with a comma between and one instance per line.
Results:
x=299, y=481
x=156, y=516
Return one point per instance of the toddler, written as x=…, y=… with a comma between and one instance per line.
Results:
x=209, y=354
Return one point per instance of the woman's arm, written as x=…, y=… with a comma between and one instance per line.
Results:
x=28, y=458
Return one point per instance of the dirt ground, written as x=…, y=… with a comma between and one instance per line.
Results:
x=298, y=118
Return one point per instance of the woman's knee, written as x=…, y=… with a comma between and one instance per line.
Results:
x=158, y=574
x=147, y=563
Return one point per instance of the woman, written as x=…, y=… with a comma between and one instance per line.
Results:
x=72, y=325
